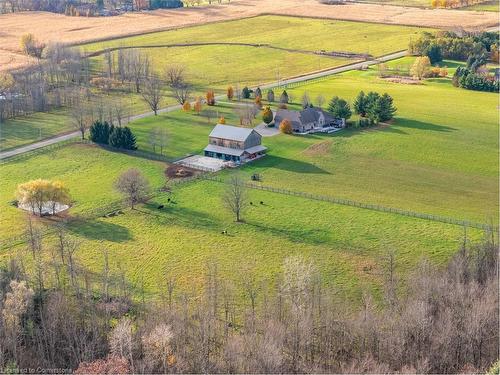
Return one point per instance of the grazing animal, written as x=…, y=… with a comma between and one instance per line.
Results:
x=261, y=202
x=161, y=206
x=251, y=203
x=168, y=200
x=224, y=232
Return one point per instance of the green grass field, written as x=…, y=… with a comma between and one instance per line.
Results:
x=346, y=244
x=225, y=65
x=489, y=6
x=88, y=172
x=218, y=66
x=440, y=156
x=29, y=129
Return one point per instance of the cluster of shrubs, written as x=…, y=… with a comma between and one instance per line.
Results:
x=114, y=136
x=468, y=79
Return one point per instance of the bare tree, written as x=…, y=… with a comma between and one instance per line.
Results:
x=235, y=197
x=139, y=66
x=81, y=114
x=133, y=185
x=320, y=101
x=208, y=114
x=153, y=92
x=175, y=76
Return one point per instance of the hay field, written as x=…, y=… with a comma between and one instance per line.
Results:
x=54, y=27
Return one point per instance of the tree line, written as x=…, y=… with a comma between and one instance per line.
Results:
x=441, y=319
x=476, y=49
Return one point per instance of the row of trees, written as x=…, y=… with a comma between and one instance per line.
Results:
x=468, y=79
x=89, y=7
x=62, y=315
x=455, y=3
x=475, y=48
x=118, y=137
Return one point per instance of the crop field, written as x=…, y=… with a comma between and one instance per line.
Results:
x=345, y=243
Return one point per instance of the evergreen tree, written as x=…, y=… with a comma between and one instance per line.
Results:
x=339, y=108
x=270, y=96
x=386, y=108
x=360, y=104
x=434, y=53
x=99, y=132
x=246, y=92
x=284, y=97
x=122, y=137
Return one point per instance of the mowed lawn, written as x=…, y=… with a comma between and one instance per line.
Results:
x=88, y=171
x=28, y=129
x=440, y=156
x=216, y=66
x=346, y=244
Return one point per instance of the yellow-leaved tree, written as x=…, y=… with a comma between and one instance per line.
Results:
x=286, y=127
x=230, y=93
x=420, y=67
x=40, y=196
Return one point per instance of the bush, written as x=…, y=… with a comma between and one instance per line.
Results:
x=364, y=122
x=100, y=132
x=122, y=138
x=246, y=92
x=286, y=127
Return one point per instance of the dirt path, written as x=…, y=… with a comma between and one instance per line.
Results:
x=73, y=30
x=289, y=81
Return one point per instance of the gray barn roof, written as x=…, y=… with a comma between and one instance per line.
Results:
x=230, y=132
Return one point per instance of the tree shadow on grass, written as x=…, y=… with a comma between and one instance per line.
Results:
x=309, y=236
x=291, y=165
x=179, y=215
x=397, y=128
x=100, y=230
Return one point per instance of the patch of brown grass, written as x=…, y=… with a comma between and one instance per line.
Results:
x=318, y=149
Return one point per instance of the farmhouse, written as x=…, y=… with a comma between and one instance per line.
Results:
x=309, y=120
x=233, y=143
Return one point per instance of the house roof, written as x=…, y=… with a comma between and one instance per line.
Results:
x=224, y=150
x=305, y=116
x=254, y=149
x=230, y=132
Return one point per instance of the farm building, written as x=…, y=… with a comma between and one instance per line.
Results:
x=233, y=143
x=309, y=120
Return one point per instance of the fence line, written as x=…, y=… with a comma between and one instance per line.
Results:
x=368, y=206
